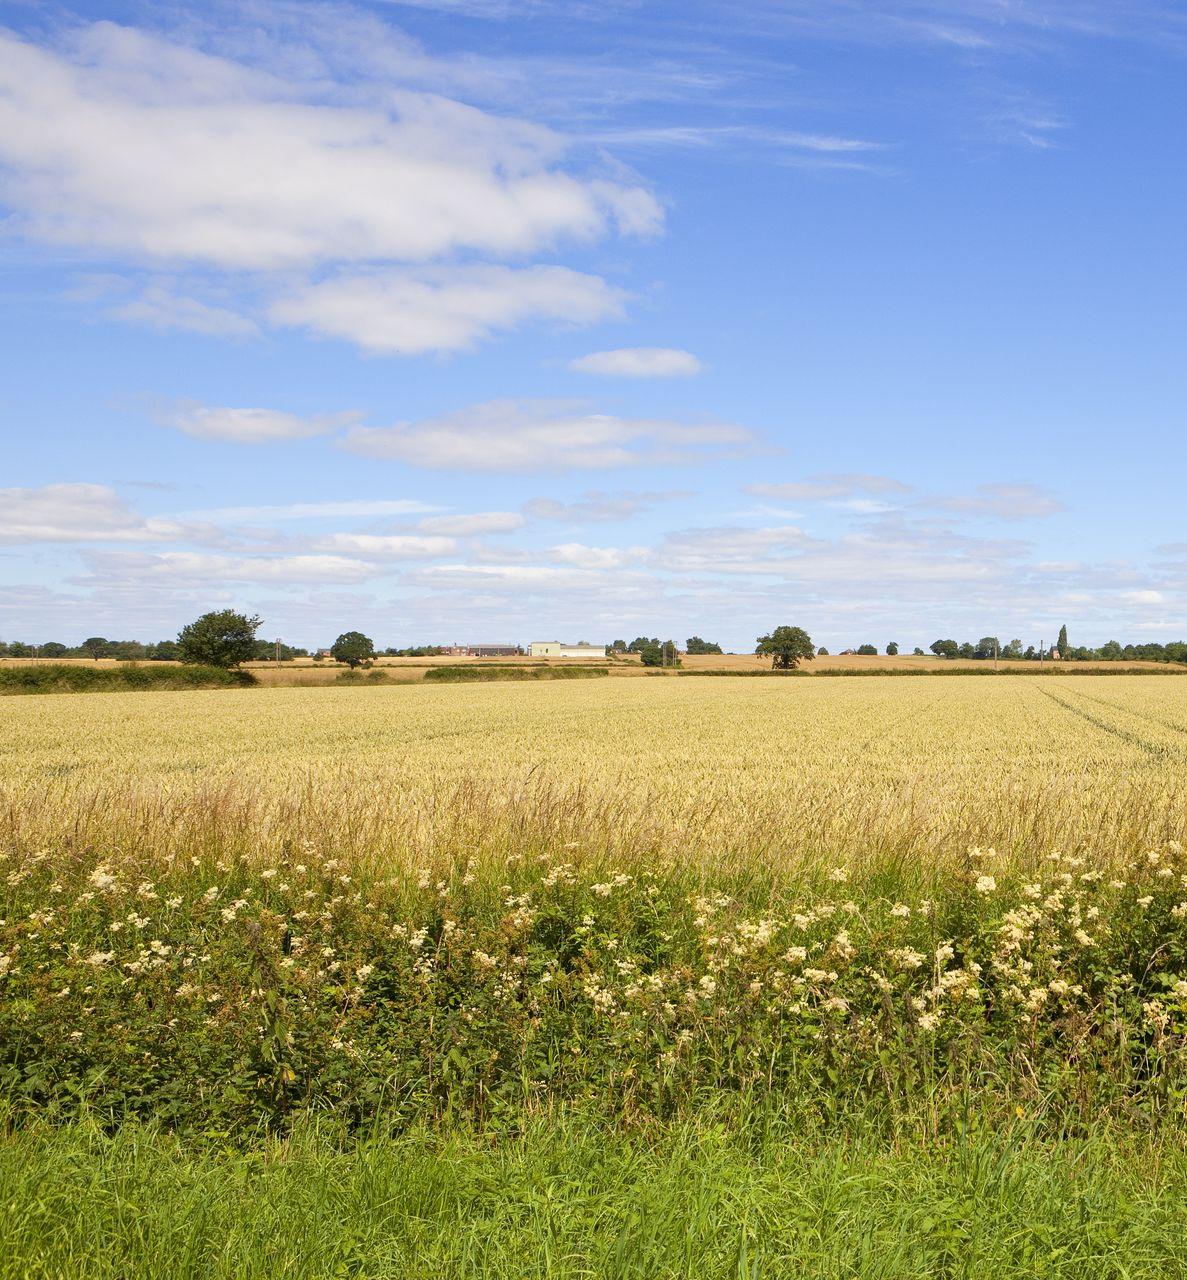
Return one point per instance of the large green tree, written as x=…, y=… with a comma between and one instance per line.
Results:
x=353, y=648
x=787, y=647
x=95, y=647
x=1061, y=643
x=223, y=638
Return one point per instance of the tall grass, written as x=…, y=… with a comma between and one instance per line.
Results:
x=568, y=1198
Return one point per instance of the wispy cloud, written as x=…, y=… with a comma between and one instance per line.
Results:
x=541, y=435
x=638, y=362
x=249, y=426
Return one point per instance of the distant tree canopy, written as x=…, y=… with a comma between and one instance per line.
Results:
x=639, y=643
x=918, y=652
x=1061, y=643
x=945, y=648
x=892, y=649
x=94, y=647
x=223, y=638
x=694, y=644
x=660, y=655
x=987, y=647
x=822, y=652
x=353, y=648
x=867, y=650
x=787, y=647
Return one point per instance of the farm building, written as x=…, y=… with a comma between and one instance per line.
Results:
x=483, y=650
x=556, y=649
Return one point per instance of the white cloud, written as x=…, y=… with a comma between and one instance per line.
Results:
x=472, y=525
x=410, y=312
x=78, y=513
x=387, y=546
x=177, y=568
x=542, y=435
x=351, y=507
x=1005, y=502
x=828, y=487
x=123, y=141
x=639, y=362
x=250, y=426
x=161, y=308
x=595, y=506
x=586, y=557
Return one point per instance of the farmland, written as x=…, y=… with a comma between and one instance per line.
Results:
x=469, y=971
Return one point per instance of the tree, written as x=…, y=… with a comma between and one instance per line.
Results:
x=164, y=651
x=694, y=644
x=1110, y=650
x=1061, y=643
x=918, y=652
x=867, y=650
x=353, y=648
x=222, y=638
x=1030, y=654
x=639, y=643
x=1013, y=650
x=892, y=649
x=94, y=647
x=651, y=655
x=944, y=648
x=618, y=646
x=16, y=649
x=987, y=647
x=787, y=647
x=822, y=652
x=52, y=649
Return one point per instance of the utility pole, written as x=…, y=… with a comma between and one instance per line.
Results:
x=278, y=651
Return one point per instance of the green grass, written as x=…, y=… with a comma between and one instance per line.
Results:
x=565, y=1198
x=75, y=678
x=460, y=674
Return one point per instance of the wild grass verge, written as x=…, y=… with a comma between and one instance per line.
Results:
x=234, y=999
x=75, y=678
x=567, y=1197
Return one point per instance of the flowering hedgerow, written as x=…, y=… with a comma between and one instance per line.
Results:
x=230, y=996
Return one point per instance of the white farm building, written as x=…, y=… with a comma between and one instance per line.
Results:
x=555, y=649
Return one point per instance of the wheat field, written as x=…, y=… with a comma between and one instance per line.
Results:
x=722, y=772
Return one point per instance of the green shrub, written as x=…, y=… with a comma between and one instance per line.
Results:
x=460, y=674
x=75, y=678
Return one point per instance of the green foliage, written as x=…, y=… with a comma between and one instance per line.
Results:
x=220, y=639
x=95, y=647
x=69, y=678
x=1062, y=644
x=353, y=648
x=787, y=647
x=892, y=649
x=232, y=999
x=694, y=644
x=867, y=650
x=945, y=648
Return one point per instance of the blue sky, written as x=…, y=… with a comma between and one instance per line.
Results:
x=500, y=319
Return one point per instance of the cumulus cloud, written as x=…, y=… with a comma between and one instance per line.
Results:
x=829, y=487
x=465, y=526
x=249, y=426
x=248, y=177
x=78, y=513
x=638, y=362
x=121, y=140
x=410, y=312
x=543, y=435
